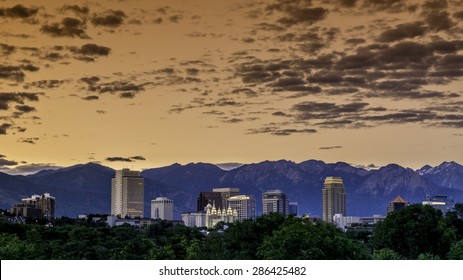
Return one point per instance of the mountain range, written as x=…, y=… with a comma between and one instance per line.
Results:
x=86, y=188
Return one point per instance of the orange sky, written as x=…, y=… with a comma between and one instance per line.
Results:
x=149, y=83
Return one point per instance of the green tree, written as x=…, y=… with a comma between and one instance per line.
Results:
x=12, y=248
x=386, y=254
x=414, y=230
x=456, y=251
x=298, y=239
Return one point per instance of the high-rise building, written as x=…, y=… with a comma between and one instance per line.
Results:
x=333, y=198
x=205, y=198
x=275, y=201
x=127, y=194
x=441, y=202
x=225, y=194
x=396, y=205
x=244, y=205
x=36, y=206
x=217, y=198
x=162, y=208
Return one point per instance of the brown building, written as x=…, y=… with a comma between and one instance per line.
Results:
x=397, y=204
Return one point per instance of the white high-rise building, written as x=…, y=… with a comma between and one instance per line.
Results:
x=127, y=194
x=162, y=208
x=244, y=205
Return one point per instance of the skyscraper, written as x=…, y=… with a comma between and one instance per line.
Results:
x=218, y=198
x=244, y=205
x=333, y=198
x=127, y=194
x=36, y=206
x=162, y=208
x=275, y=201
x=225, y=194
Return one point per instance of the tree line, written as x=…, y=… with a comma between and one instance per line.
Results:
x=416, y=232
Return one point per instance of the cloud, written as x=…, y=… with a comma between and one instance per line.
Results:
x=91, y=97
x=31, y=140
x=439, y=20
x=125, y=159
x=26, y=169
x=18, y=11
x=4, y=127
x=76, y=9
x=6, y=49
x=111, y=18
x=16, y=97
x=13, y=73
x=330, y=147
x=101, y=111
x=278, y=131
x=4, y=162
x=403, y=31
x=138, y=158
x=69, y=27
x=297, y=12
x=25, y=108
x=91, y=50
x=45, y=84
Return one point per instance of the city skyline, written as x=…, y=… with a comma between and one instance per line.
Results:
x=150, y=83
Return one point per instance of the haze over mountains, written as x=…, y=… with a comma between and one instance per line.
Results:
x=86, y=188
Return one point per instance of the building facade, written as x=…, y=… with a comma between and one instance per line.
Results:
x=127, y=194
x=333, y=198
x=441, y=202
x=275, y=201
x=205, y=198
x=162, y=208
x=36, y=207
x=293, y=208
x=244, y=205
x=397, y=204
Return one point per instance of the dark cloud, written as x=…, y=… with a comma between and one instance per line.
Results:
x=330, y=148
x=109, y=19
x=138, y=158
x=76, y=9
x=91, y=50
x=123, y=159
x=16, y=97
x=278, y=131
x=175, y=18
x=28, y=140
x=18, y=11
x=458, y=15
x=355, y=41
x=233, y=120
x=347, y=3
x=392, y=6
x=305, y=15
x=13, y=73
x=69, y=27
x=45, y=84
x=90, y=80
x=91, y=97
x=158, y=20
x=4, y=162
x=6, y=49
x=101, y=112
x=434, y=4
x=332, y=108
x=25, y=108
x=403, y=31
x=439, y=20
x=4, y=127
x=128, y=95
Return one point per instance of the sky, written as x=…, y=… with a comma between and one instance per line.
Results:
x=147, y=83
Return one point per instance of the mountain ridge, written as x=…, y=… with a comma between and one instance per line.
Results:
x=86, y=188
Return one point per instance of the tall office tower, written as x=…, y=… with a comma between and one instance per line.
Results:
x=162, y=208
x=396, y=205
x=205, y=198
x=225, y=194
x=127, y=194
x=244, y=205
x=333, y=198
x=275, y=201
x=293, y=208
